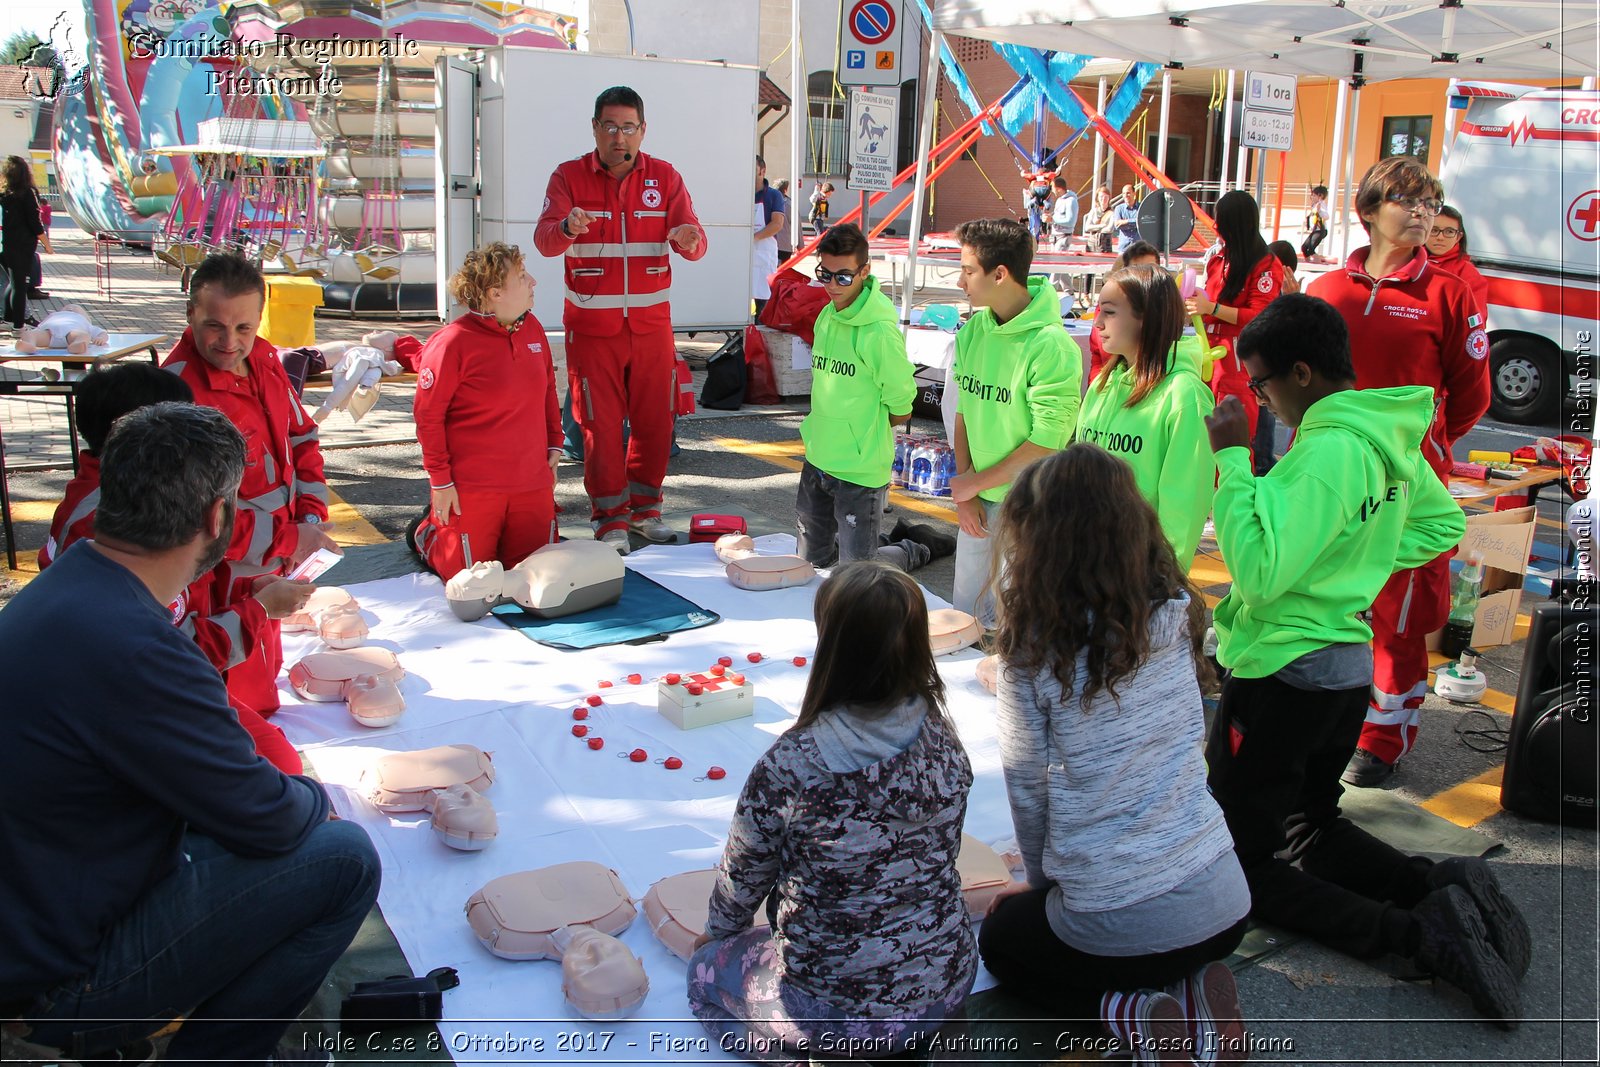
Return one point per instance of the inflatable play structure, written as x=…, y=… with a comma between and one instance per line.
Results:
x=198, y=125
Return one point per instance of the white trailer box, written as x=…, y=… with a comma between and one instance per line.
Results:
x=1524, y=171
x=530, y=110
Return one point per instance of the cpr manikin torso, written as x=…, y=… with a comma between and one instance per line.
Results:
x=367, y=678
x=557, y=580
x=747, y=570
x=68, y=328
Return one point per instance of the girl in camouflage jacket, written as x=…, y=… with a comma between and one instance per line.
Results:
x=851, y=822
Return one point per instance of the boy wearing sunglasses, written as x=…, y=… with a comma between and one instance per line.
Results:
x=861, y=389
x=1309, y=546
x=1410, y=323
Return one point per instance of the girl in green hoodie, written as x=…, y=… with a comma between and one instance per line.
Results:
x=1148, y=406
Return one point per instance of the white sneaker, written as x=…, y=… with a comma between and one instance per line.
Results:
x=653, y=529
x=617, y=539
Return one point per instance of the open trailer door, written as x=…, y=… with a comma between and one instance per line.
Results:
x=456, y=182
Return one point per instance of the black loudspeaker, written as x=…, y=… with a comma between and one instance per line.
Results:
x=1553, y=758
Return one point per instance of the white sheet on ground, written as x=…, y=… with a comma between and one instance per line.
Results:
x=485, y=684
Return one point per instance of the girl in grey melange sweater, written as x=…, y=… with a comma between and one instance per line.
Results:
x=1133, y=891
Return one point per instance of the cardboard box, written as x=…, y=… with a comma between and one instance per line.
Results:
x=791, y=362
x=1503, y=539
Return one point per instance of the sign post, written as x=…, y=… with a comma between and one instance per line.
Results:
x=1268, y=120
x=874, y=123
x=869, y=42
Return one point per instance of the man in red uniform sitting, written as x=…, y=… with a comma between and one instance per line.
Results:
x=615, y=214
x=283, y=499
x=1410, y=324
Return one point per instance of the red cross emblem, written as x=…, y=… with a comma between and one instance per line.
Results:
x=1583, y=216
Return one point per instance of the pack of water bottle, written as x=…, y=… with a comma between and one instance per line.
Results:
x=923, y=464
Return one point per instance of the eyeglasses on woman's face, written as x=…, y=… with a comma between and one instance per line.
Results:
x=1448, y=233
x=1425, y=205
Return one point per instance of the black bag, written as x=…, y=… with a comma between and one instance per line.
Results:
x=725, y=376
x=398, y=1001
x=1551, y=761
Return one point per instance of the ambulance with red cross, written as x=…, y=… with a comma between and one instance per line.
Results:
x=1524, y=171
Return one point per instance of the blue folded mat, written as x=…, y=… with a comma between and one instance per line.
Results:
x=647, y=612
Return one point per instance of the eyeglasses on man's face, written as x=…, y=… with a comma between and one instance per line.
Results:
x=1258, y=385
x=845, y=278
x=1425, y=205
x=611, y=129
x=1449, y=233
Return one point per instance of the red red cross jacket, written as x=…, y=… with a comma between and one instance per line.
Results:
x=1453, y=262
x=618, y=272
x=283, y=481
x=225, y=628
x=486, y=407
x=1417, y=326
x=74, y=517
x=1260, y=289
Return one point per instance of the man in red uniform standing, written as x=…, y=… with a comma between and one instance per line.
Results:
x=283, y=499
x=1410, y=324
x=615, y=214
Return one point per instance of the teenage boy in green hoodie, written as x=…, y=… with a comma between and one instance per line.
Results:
x=1017, y=373
x=1309, y=546
x=861, y=389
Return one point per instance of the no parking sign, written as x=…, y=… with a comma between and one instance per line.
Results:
x=869, y=42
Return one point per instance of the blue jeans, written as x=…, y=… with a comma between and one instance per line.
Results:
x=971, y=592
x=238, y=945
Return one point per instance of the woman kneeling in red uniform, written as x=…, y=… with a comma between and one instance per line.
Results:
x=488, y=421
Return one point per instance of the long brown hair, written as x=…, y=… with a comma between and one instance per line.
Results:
x=1152, y=298
x=1086, y=565
x=15, y=176
x=872, y=644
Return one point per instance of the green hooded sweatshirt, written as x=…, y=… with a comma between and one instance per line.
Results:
x=1017, y=381
x=1312, y=543
x=1163, y=438
x=859, y=377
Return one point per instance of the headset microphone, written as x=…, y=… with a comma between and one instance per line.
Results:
x=627, y=157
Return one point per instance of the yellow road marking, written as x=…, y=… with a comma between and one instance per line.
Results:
x=790, y=456
x=345, y=525
x=1471, y=802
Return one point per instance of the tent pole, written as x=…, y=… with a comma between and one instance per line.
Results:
x=1227, y=134
x=924, y=150
x=1277, y=212
x=1166, y=112
x=1335, y=170
x=1349, y=171
x=1099, y=147
x=1241, y=165
x=799, y=119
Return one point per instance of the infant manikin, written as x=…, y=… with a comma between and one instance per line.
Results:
x=68, y=328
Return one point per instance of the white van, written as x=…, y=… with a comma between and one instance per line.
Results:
x=1524, y=171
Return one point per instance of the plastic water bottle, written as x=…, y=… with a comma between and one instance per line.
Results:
x=944, y=470
x=898, y=472
x=922, y=469
x=1464, y=597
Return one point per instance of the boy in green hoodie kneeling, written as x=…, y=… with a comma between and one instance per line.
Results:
x=1017, y=373
x=1309, y=546
x=861, y=389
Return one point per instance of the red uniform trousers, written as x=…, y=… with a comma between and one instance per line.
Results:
x=253, y=683
x=502, y=526
x=1229, y=378
x=1412, y=605
x=626, y=376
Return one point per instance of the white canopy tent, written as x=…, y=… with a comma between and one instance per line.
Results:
x=1355, y=41
x=1333, y=38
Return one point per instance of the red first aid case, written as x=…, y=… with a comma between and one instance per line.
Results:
x=711, y=527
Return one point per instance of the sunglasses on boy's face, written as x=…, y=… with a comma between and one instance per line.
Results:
x=845, y=278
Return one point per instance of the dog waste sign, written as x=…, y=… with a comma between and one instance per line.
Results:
x=873, y=122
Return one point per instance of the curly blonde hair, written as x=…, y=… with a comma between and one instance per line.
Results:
x=484, y=269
